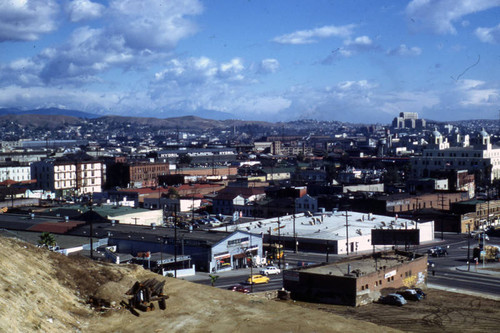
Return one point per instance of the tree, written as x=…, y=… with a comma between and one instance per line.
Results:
x=172, y=193
x=47, y=239
x=213, y=278
x=184, y=159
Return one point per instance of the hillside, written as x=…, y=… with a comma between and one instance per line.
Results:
x=47, y=292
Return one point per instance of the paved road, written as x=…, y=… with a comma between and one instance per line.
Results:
x=446, y=274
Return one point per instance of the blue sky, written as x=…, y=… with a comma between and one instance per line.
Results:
x=280, y=60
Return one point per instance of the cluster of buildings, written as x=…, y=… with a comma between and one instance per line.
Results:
x=195, y=203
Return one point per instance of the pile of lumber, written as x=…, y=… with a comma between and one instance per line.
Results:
x=144, y=294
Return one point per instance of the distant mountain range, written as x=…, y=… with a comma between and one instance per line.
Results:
x=53, y=118
x=49, y=112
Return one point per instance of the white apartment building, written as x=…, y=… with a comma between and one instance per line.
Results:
x=15, y=172
x=69, y=177
x=481, y=158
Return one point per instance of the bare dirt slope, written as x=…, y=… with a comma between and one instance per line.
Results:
x=47, y=292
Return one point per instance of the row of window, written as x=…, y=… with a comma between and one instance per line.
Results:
x=389, y=279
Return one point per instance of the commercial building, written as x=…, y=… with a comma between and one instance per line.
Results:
x=356, y=281
x=482, y=158
x=328, y=231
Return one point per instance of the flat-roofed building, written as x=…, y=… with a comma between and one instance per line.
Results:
x=356, y=281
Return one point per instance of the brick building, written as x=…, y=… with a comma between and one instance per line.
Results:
x=356, y=281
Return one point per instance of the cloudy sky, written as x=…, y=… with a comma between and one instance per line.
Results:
x=347, y=60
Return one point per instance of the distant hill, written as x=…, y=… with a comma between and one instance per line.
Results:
x=39, y=121
x=48, y=111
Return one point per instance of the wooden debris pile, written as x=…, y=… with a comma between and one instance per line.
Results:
x=144, y=294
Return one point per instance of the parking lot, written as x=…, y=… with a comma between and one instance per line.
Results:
x=441, y=311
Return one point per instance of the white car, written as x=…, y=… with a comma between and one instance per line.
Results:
x=270, y=270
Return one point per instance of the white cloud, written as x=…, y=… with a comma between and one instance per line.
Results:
x=489, y=35
x=22, y=20
x=79, y=10
x=155, y=24
x=87, y=53
x=438, y=16
x=403, y=50
x=357, y=45
x=138, y=33
x=200, y=70
x=267, y=66
x=36, y=97
x=474, y=94
x=312, y=36
x=362, y=84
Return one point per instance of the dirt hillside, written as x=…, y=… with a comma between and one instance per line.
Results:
x=48, y=292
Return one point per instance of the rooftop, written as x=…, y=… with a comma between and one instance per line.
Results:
x=327, y=226
x=363, y=266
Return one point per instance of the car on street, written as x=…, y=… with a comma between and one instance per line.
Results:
x=269, y=270
x=239, y=288
x=392, y=299
x=257, y=279
x=410, y=294
x=437, y=251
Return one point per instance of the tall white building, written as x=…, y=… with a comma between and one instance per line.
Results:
x=15, y=172
x=481, y=158
x=68, y=176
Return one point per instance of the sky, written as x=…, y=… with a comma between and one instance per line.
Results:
x=359, y=61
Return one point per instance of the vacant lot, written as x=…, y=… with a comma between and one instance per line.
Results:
x=441, y=311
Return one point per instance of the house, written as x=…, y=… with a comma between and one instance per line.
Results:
x=306, y=203
x=230, y=197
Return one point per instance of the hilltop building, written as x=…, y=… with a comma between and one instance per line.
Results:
x=408, y=120
x=481, y=158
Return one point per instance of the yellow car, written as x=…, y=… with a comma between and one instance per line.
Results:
x=257, y=279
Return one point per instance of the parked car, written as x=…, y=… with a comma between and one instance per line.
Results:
x=437, y=251
x=257, y=279
x=392, y=299
x=239, y=288
x=410, y=294
x=270, y=270
x=482, y=236
x=421, y=292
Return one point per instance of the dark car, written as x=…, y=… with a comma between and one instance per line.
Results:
x=437, y=251
x=392, y=299
x=239, y=288
x=410, y=295
x=420, y=292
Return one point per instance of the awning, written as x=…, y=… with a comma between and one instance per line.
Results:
x=222, y=256
x=239, y=256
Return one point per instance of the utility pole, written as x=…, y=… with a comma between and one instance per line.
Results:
x=327, y=250
x=251, y=264
x=468, y=247
x=279, y=243
x=91, y=231
x=441, y=199
x=347, y=230
x=175, y=240
x=294, y=233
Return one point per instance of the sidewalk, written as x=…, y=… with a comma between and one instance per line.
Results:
x=479, y=269
x=200, y=276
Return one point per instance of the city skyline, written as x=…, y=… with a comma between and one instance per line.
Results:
x=356, y=61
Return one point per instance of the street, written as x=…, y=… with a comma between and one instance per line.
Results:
x=449, y=272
